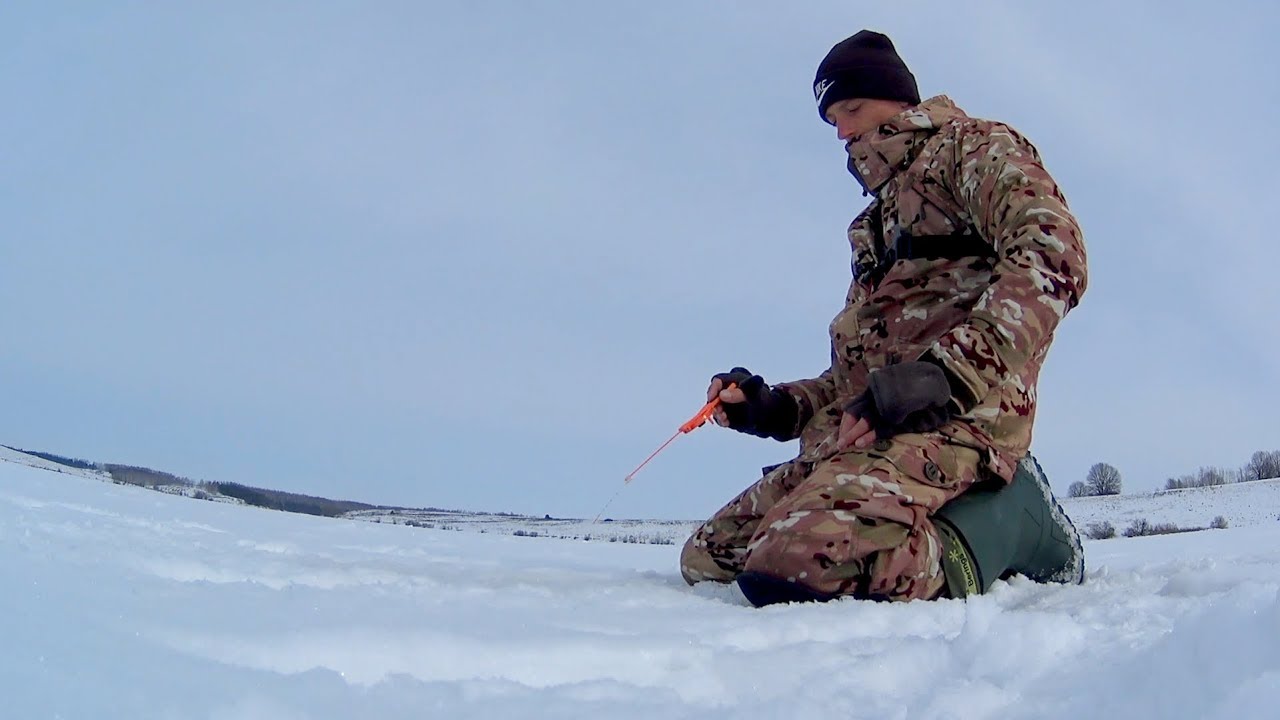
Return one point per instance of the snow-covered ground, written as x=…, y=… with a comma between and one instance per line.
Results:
x=118, y=602
x=660, y=532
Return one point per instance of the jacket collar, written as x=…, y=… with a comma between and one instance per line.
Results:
x=876, y=156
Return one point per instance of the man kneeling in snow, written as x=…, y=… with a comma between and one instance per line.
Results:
x=913, y=479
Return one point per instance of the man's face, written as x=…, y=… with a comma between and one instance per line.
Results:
x=856, y=116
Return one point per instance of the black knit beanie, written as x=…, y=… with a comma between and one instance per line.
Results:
x=863, y=66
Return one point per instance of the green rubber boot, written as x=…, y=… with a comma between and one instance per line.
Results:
x=1019, y=529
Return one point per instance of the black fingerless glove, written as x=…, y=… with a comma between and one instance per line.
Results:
x=767, y=412
x=909, y=397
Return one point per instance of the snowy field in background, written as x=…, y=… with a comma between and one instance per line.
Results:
x=119, y=602
x=1248, y=503
x=1242, y=504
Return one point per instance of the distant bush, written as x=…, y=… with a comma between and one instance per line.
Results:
x=643, y=539
x=1140, y=528
x=1100, y=530
x=1137, y=528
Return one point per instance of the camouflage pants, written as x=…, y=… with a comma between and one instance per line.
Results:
x=856, y=524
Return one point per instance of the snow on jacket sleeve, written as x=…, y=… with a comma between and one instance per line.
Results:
x=1039, y=274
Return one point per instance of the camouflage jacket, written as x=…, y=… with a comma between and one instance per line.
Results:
x=968, y=257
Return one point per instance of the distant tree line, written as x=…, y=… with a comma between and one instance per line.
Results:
x=1104, y=479
x=286, y=501
x=261, y=497
x=144, y=477
x=1263, y=465
x=1204, y=477
x=61, y=460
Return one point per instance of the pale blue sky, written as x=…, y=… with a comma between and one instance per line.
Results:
x=486, y=255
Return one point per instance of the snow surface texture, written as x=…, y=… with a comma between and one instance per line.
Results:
x=120, y=602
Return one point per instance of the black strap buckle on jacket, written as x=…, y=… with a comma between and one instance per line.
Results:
x=957, y=246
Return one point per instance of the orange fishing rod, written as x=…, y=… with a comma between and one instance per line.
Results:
x=689, y=426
